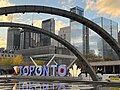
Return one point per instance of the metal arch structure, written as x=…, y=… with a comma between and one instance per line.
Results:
x=86, y=64
x=50, y=10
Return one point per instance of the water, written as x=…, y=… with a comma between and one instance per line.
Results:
x=37, y=85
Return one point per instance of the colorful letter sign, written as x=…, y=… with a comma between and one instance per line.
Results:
x=52, y=70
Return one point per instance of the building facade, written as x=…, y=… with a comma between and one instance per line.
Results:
x=32, y=39
x=119, y=37
x=44, y=50
x=108, y=67
x=13, y=39
x=111, y=27
x=79, y=33
x=8, y=54
x=65, y=33
x=29, y=39
x=49, y=25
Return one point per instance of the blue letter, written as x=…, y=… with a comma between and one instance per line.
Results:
x=20, y=70
x=38, y=70
x=32, y=68
x=62, y=70
x=25, y=70
x=45, y=71
x=45, y=87
x=53, y=66
x=61, y=87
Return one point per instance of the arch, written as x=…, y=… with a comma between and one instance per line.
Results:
x=50, y=10
x=59, y=39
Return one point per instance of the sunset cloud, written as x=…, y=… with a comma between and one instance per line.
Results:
x=8, y=18
x=3, y=42
x=108, y=7
x=37, y=23
x=90, y=4
x=4, y=3
x=59, y=24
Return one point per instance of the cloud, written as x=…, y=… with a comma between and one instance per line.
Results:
x=8, y=18
x=67, y=3
x=107, y=7
x=37, y=23
x=4, y=3
x=90, y=4
x=3, y=42
x=59, y=24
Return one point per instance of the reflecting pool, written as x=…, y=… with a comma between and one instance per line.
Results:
x=37, y=85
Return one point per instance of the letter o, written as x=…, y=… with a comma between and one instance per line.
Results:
x=62, y=70
x=38, y=70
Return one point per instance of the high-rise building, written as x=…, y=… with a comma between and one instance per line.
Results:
x=93, y=38
x=13, y=39
x=85, y=40
x=49, y=25
x=79, y=33
x=32, y=39
x=65, y=33
x=111, y=27
x=29, y=39
x=119, y=37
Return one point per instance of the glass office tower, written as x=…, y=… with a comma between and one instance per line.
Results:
x=111, y=27
x=79, y=33
x=119, y=37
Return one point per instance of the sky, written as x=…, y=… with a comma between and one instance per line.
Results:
x=92, y=9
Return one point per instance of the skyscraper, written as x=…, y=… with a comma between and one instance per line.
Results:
x=29, y=39
x=13, y=39
x=111, y=27
x=79, y=33
x=49, y=25
x=65, y=33
x=119, y=37
x=32, y=39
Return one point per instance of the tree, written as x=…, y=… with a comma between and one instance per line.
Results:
x=18, y=60
x=0, y=60
x=93, y=58
x=40, y=62
x=6, y=61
